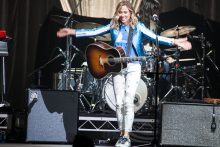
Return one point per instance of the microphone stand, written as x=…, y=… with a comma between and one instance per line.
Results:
x=156, y=82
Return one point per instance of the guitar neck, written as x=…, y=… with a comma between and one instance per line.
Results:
x=127, y=59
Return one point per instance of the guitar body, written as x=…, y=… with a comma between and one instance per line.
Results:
x=99, y=55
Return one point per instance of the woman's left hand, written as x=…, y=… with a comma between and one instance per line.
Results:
x=184, y=43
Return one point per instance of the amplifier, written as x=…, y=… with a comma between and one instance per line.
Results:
x=188, y=124
x=52, y=115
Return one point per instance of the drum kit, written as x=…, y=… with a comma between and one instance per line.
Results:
x=98, y=94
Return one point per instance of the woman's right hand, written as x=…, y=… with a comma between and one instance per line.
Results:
x=63, y=32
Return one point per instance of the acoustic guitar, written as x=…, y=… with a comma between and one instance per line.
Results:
x=103, y=59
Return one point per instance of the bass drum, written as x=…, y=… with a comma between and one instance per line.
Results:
x=140, y=96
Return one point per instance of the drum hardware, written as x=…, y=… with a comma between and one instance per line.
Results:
x=173, y=49
x=68, y=74
x=90, y=90
x=90, y=102
x=87, y=83
x=213, y=63
x=204, y=44
x=59, y=80
x=176, y=31
x=190, y=83
x=82, y=99
x=149, y=66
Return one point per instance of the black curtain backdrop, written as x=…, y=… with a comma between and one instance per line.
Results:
x=22, y=19
x=33, y=43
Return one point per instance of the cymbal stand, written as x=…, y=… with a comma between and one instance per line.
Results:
x=202, y=39
x=175, y=87
x=69, y=57
x=67, y=70
x=202, y=85
x=68, y=53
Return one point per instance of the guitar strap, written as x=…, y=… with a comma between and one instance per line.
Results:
x=130, y=36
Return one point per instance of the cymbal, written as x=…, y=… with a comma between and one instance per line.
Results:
x=91, y=25
x=87, y=25
x=174, y=49
x=105, y=37
x=177, y=31
x=61, y=19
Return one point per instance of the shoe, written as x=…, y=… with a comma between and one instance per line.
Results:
x=119, y=141
x=123, y=142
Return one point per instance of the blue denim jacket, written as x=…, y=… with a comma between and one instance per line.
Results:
x=140, y=30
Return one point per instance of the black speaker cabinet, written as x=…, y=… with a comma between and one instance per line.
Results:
x=188, y=124
x=52, y=116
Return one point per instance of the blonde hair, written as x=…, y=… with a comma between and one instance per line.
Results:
x=115, y=19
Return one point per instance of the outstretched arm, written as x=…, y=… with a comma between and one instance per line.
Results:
x=83, y=32
x=183, y=42
x=63, y=32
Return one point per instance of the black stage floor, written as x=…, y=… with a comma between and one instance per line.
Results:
x=38, y=145
x=55, y=145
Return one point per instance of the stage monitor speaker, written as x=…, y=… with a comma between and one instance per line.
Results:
x=52, y=116
x=187, y=124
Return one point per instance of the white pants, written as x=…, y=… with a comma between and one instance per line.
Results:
x=125, y=84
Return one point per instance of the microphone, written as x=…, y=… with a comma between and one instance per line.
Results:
x=155, y=17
